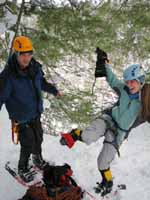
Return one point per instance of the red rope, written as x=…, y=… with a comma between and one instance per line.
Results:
x=90, y=195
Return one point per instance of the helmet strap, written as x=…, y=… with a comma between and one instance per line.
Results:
x=141, y=84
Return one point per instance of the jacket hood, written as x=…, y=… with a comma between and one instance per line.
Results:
x=14, y=68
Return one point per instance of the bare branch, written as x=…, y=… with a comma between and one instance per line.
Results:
x=18, y=22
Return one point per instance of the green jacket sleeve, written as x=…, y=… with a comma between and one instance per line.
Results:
x=113, y=81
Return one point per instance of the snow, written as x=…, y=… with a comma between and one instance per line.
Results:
x=132, y=168
x=8, y=21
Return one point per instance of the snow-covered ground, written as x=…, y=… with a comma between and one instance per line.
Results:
x=133, y=168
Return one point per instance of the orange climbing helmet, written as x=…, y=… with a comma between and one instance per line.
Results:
x=22, y=44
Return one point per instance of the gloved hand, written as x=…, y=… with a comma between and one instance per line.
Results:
x=70, y=138
x=100, y=70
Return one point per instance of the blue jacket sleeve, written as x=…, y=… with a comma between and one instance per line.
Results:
x=48, y=87
x=5, y=88
x=113, y=81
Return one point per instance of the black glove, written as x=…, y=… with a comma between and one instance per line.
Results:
x=100, y=70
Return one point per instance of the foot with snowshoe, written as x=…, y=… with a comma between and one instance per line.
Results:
x=26, y=174
x=26, y=171
x=23, y=167
x=105, y=187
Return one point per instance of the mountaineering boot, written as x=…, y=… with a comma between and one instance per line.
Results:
x=38, y=161
x=23, y=166
x=106, y=185
x=70, y=138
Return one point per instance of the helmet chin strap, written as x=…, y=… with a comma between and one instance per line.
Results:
x=17, y=53
x=141, y=84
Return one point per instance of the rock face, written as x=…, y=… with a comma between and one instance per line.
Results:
x=7, y=20
x=2, y=1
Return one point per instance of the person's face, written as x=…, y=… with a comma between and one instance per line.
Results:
x=134, y=86
x=24, y=59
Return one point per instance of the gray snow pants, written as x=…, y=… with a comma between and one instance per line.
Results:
x=97, y=129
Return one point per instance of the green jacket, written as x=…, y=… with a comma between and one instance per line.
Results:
x=126, y=111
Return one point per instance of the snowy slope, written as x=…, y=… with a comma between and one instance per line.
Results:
x=132, y=168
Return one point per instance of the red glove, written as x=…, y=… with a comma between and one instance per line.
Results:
x=70, y=138
x=67, y=139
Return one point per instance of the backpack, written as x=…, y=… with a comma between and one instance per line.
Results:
x=58, y=185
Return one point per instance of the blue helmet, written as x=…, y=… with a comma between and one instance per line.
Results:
x=134, y=72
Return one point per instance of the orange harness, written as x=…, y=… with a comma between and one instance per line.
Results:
x=15, y=132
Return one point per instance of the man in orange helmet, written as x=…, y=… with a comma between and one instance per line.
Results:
x=21, y=83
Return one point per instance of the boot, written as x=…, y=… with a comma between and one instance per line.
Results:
x=106, y=185
x=23, y=165
x=38, y=161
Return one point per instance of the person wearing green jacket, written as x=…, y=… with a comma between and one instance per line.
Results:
x=114, y=124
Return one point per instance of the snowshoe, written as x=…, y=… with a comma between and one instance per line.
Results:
x=24, y=177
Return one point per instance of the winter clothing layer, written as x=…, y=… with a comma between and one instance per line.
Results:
x=21, y=90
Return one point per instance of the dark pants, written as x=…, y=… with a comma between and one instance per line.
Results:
x=30, y=137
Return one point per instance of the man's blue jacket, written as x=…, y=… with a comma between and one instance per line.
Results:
x=20, y=90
